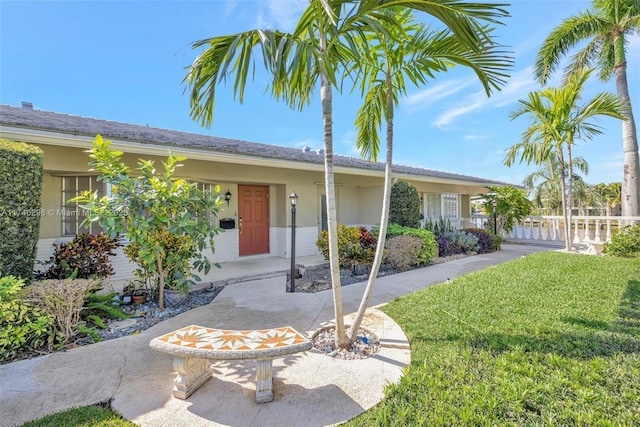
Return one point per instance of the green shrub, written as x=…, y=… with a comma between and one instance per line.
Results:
x=487, y=241
x=405, y=205
x=84, y=257
x=429, y=247
x=456, y=242
x=356, y=245
x=21, y=178
x=438, y=227
x=625, y=242
x=22, y=326
x=403, y=252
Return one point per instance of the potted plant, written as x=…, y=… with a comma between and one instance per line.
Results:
x=139, y=296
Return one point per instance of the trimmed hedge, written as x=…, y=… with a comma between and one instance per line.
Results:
x=20, y=191
x=405, y=205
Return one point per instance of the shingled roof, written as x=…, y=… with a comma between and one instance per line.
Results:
x=85, y=126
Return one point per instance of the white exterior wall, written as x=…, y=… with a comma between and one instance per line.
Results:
x=306, y=238
x=226, y=244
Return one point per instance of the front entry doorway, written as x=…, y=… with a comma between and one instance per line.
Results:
x=253, y=218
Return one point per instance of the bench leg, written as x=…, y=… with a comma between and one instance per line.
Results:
x=264, y=381
x=192, y=373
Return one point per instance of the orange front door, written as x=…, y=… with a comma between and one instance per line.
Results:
x=253, y=217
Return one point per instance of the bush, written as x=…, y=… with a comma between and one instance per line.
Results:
x=21, y=178
x=356, y=245
x=447, y=246
x=84, y=257
x=439, y=227
x=405, y=205
x=403, y=252
x=624, y=243
x=429, y=248
x=456, y=242
x=487, y=242
x=63, y=301
x=22, y=326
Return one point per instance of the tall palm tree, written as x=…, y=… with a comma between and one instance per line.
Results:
x=557, y=122
x=315, y=53
x=605, y=27
x=411, y=53
x=544, y=185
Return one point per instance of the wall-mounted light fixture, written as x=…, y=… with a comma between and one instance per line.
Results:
x=227, y=197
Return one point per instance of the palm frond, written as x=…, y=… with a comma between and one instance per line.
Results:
x=562, y=39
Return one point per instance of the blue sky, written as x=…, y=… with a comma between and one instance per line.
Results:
x=125, y=61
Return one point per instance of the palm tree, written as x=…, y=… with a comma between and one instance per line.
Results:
x=557, y=123
x=411, y=53
x=544, y=185
x=605, y=28
x=316, y=52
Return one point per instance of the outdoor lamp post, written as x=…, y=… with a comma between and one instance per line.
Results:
x=495, y=217
x=292, y=280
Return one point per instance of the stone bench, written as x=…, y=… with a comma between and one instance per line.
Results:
x=193, y=347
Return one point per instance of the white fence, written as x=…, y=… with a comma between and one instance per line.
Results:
x=586, y=229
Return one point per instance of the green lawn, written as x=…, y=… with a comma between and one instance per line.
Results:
x=86, y=416
x=549, y=339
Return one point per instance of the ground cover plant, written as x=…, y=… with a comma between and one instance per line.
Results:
x=548, y=339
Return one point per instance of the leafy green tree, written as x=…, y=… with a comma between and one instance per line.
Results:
x=611, y=193
x=605, y=29
x=168, y=221
x=509, y=204
x=557, y=122
x=323, y=44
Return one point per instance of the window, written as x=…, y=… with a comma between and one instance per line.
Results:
x=72, y=214
x=438, y=206
x=432, y=206
x=323, y=213
x=450, y=205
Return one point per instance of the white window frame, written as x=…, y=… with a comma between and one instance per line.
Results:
x=71, y=213
x=450, y=205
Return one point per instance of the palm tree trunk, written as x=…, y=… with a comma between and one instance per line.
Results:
x=384, y=221
x=569, y=193
x=631, y=162
x=563, y=185
x=341, y=339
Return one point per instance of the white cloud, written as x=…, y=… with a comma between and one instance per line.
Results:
x=427, y=97
x=518, y=86
x=280, y=14
x=477, y=137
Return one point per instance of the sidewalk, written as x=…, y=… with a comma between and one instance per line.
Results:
x=311, y=389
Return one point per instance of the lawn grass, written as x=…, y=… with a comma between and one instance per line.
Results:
x=86, y=416
x=548, y=339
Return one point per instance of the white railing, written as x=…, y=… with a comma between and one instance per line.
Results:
x=586, y=229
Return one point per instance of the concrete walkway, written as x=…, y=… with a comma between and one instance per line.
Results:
x=311, y=389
